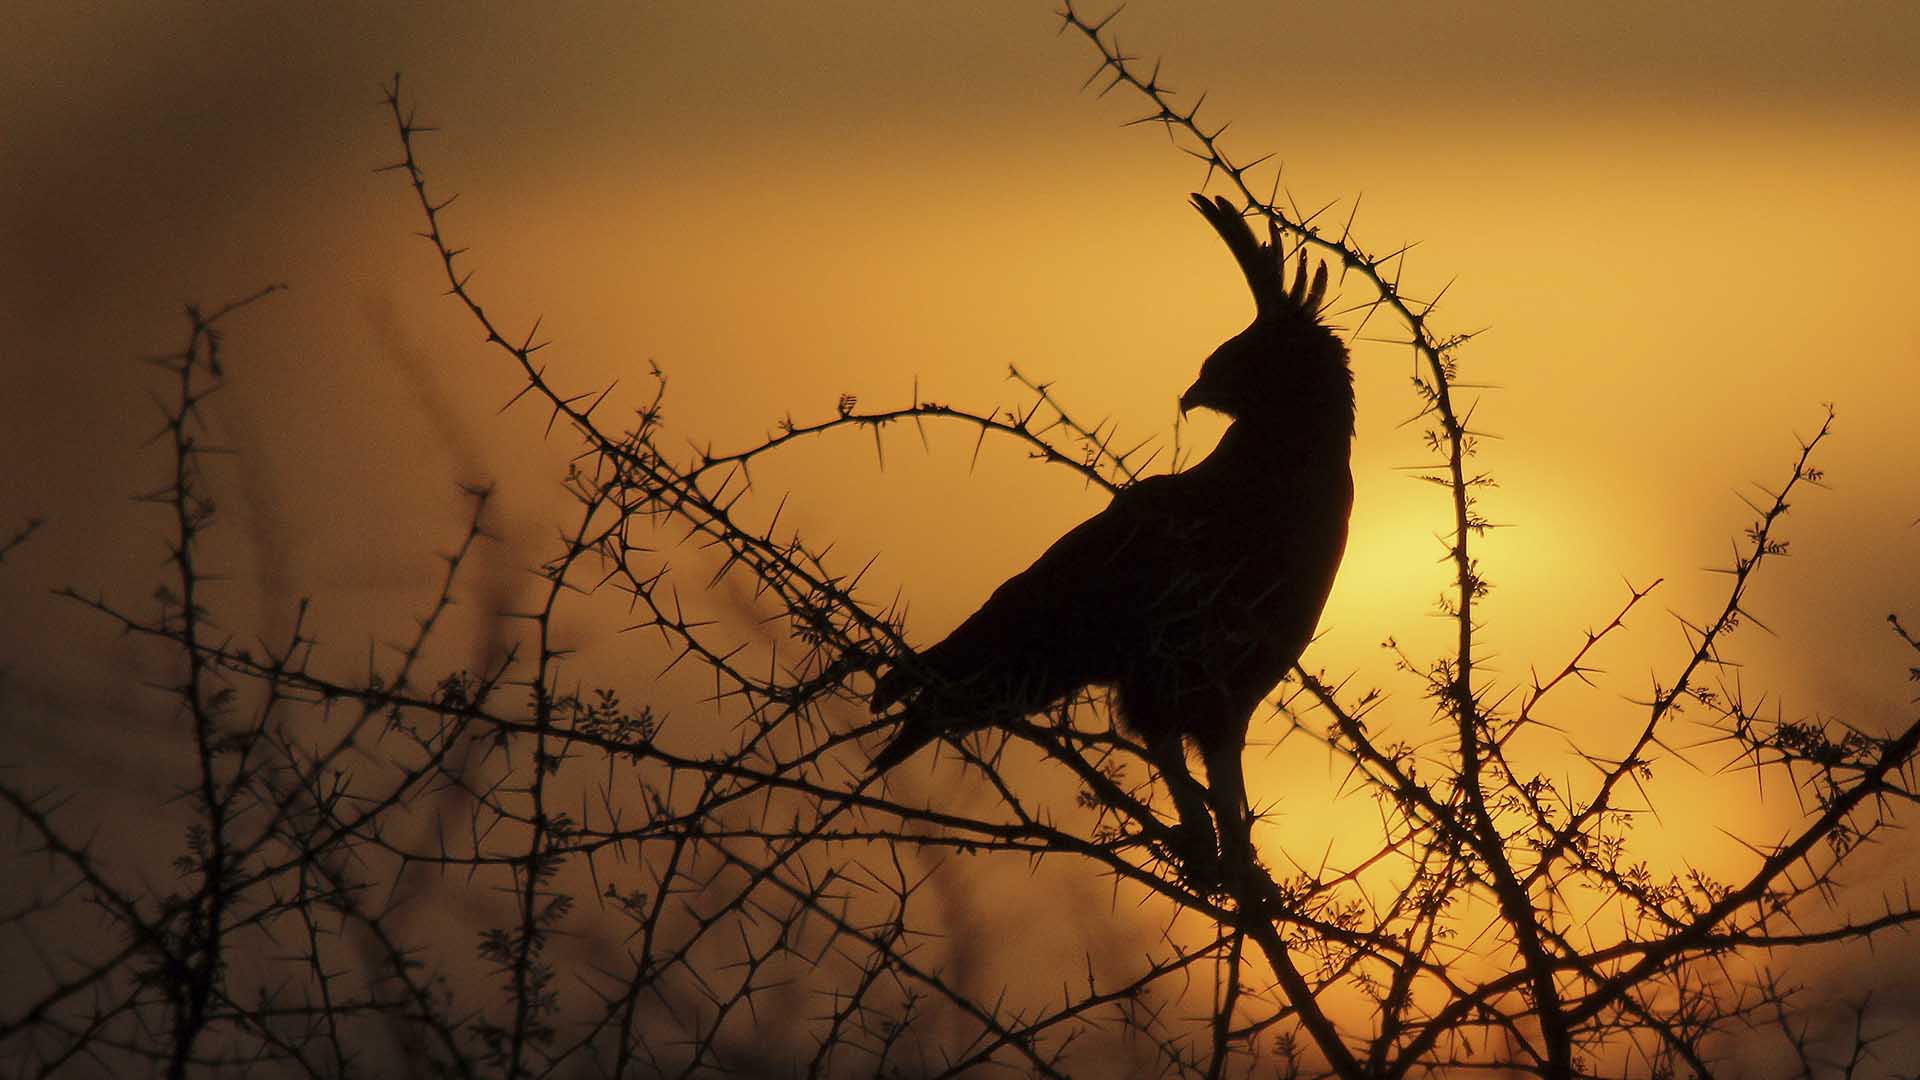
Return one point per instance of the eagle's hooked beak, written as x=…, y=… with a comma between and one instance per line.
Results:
x=1196, y=397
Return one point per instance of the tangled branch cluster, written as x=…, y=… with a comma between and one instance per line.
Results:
x=651, y=896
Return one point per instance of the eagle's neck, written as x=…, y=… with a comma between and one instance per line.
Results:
x=1282, y=451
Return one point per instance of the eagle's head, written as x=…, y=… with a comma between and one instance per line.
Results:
x=1287, y=366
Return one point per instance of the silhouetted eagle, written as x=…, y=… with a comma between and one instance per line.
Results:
x=1191, y=595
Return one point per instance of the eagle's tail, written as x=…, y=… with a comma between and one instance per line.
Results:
x=916, y=731
x=919, y=723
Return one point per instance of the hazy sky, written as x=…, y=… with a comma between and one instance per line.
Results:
x=1684, y=228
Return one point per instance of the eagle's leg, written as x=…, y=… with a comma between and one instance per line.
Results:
x=1196, y=847
x=1227, y=792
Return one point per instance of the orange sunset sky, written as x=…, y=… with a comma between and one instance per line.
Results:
x=1683, y=229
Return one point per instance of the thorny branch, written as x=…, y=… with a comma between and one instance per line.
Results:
x=759, y=901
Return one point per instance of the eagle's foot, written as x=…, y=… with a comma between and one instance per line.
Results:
x=1196, y=850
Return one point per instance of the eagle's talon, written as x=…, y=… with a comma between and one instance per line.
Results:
x=1198, y=856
